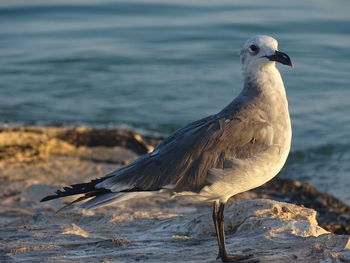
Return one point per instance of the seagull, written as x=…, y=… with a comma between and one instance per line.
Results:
x=210, y=160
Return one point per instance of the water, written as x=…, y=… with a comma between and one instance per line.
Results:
x=157, y=65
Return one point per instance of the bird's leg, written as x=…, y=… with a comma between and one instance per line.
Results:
x=219, y=229
x=215, y=219
x=220, y=234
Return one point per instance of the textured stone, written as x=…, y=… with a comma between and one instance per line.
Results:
x=274, y=231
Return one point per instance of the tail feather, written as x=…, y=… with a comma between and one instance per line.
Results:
x=112, y=198
x=98, y=196
x=101, y=200
x=72, y=203
x=88, y=189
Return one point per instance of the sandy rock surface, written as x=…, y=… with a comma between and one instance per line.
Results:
x=35, y=161
x=153, y=231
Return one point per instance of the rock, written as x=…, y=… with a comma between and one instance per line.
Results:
x=30, y=143
x=268, y=231
x=332, y=213
x=274, y=231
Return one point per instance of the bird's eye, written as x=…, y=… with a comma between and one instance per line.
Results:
x=254, y=49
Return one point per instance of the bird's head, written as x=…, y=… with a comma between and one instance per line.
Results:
x=260, y=51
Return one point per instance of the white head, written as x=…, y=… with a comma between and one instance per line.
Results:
x=261, y=51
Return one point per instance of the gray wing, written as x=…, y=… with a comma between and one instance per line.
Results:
x=184, y=158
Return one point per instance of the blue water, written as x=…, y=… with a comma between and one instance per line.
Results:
x=157, y=65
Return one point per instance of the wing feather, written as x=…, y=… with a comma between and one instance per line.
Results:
x=184, y=159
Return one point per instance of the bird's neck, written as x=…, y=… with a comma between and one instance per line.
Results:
x=265, y=81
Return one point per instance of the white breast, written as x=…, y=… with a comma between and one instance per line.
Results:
x=246, y=174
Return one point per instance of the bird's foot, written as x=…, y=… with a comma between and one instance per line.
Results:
x=237, y=258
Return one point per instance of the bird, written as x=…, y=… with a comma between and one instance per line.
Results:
x=212, y=159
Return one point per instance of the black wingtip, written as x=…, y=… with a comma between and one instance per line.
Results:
x=76, y=189
x=67, y=191
x=49, y=197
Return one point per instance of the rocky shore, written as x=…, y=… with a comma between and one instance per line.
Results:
x=35, y=160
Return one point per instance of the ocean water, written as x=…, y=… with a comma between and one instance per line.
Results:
x=156, y=65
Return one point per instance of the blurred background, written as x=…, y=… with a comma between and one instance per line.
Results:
x=154, y=66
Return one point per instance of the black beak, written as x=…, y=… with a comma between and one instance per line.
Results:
x=281, y=58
